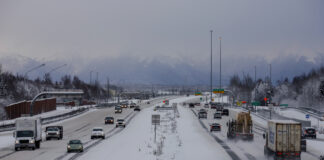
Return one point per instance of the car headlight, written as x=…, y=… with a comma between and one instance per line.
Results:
x=17, y=141
x=57, y=132
x=69, y=146
x=31, y=141
x=46, y=133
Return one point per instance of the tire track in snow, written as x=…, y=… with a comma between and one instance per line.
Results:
x=229, y=151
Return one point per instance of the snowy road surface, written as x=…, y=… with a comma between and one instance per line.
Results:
x=250, y=149
x=180, y=138
x=75, y=128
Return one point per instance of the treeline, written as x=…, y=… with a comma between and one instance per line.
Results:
x=17, y=87
x=305, y=90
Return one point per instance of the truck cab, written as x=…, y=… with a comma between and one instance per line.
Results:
x=28, y=133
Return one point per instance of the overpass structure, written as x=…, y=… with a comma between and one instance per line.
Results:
x=57, y=93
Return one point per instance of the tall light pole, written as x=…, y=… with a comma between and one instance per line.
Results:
x=54, y=69
x=211, y=65
x=90, y=77
x=25, y=75
x=220, y=65
x=42, y=65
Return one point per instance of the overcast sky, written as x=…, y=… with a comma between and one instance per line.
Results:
x=174, y=30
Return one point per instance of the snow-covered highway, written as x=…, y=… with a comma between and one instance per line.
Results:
x=75, y=128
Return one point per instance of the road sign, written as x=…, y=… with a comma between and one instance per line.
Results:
x=256, y=103
x=198, y=93
x=284, y=105
x=218, y=90
x=307, y=116
x=155, y=119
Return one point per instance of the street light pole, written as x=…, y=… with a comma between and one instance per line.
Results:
x=220, y=65
x=91, y=77
x=211, y=65
x=25, y=75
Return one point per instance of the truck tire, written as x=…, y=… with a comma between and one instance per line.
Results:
x=16, y=148
x=47, y=138
x=265, y=150
x=33, y=148
x=37, y=144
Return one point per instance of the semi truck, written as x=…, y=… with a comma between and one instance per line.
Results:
x=28, y=133
x=240, y=126
x=283, y=139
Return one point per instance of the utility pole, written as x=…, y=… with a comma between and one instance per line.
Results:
x=211, y=65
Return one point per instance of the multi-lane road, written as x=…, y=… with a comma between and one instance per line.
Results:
x=75, y=128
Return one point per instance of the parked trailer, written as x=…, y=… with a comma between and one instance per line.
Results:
x=240, y=126
x=283, y=139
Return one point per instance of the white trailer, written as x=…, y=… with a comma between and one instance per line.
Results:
x=28, y=133
x=283, y=139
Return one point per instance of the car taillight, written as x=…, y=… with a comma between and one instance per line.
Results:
x=297, y=154
x=279, y=153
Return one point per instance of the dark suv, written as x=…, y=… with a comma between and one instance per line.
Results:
x=309, y=132
x=109, y=120
x=225, y=112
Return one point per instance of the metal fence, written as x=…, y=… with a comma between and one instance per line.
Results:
x=16, y=110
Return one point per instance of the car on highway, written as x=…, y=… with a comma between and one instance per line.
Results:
x=206, y=105
x=118, y=109
x=137, y=108
x=124, y=106
x=225, y=112
x=215, y=127
x=120, y=123
x=202, y=113
x=218, y=115
x=74, y=146
x=132, y=105
x=109, y=120
x=309, y=132
x=54, y=132
x=191, y=105
x=97, y=132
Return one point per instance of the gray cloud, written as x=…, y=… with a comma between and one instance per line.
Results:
x=175, y=32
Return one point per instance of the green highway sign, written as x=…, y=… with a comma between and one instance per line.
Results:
x=218, y=90
x=284, y=105
x=256, y=103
